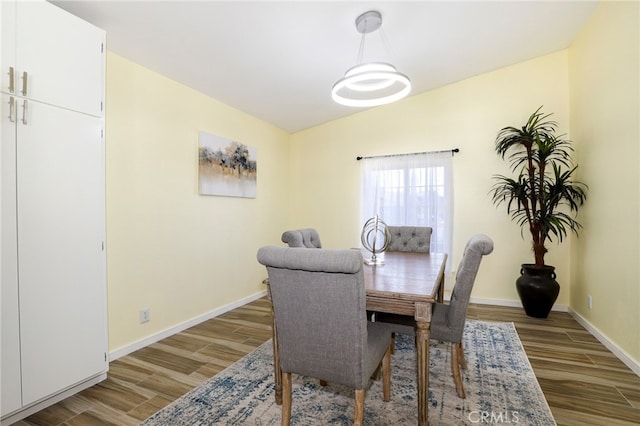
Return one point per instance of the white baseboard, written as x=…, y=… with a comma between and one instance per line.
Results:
x=126, y=350
x=620, y=353
x=633, y=364
x=512, y=303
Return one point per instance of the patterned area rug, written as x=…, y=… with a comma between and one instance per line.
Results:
x=500, y=385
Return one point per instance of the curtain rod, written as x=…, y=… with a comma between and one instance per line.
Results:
x=453, y=151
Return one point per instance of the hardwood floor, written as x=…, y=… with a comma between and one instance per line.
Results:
x=584, y=383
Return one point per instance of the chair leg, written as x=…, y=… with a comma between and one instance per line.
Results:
x=393, y=342
x=455, y=369
x=286, y=399
x=323, y=383
x=358, y=418
x=461, y=360
x=386, y=375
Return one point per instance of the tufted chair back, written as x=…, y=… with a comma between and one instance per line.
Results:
x=416, y=239
x=308, y=238
x=453, y=315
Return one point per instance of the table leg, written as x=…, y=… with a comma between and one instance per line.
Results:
x=423, y=320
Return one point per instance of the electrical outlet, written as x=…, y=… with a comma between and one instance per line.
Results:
x=144, y=315
x=589, y=301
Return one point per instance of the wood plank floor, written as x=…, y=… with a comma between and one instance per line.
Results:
x=584, y=383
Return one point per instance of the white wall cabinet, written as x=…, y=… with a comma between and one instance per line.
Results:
x=55, y=57
x=53, y=294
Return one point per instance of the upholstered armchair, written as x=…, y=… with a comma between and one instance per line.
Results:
x=318, y=301
x=415, y=239
x=448, y=320
x=308, y=238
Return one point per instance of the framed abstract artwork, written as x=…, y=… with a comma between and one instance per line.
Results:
x=226, y=167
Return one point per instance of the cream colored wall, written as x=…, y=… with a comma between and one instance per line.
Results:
x=170, y=249
x=182, y=254
x=605, y=117
x=466, y=115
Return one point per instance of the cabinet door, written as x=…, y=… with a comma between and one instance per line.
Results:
x=62, y=55
x=60, y=203
x=7, y=43
x=10, y=394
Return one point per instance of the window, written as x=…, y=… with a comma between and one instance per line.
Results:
x=412, y=190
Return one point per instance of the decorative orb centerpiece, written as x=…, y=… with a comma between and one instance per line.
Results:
x=375, y=238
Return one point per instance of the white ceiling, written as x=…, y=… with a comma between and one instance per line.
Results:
x=278, y=60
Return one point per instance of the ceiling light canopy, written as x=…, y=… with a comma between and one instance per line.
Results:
x=374, y=83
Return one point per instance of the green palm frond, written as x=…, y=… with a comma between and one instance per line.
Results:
x=544, y=190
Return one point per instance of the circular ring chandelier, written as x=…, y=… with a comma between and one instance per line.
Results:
x=373, y=83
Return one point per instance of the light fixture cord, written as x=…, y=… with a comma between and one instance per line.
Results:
x=385, y=43
x=361, y=50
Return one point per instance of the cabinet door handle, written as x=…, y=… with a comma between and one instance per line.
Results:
x=12, y=109
x=24, y=112
x=24, y=83
x=12, y=77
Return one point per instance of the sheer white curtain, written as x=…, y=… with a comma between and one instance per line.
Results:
x=413, y=190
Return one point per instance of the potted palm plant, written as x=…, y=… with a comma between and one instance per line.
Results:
x=541, y=197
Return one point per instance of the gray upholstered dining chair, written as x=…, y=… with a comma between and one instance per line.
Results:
x=416, y=239
x=342, y=347
x=307, y=237
x=447, y=320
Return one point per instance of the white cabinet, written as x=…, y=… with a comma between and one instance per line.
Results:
x=10, y=381
x=53, y=294
x=60, y=204
x=53, y=56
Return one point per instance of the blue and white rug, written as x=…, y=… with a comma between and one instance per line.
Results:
x=500, y=385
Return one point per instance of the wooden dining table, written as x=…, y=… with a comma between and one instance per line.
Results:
x=407, y=284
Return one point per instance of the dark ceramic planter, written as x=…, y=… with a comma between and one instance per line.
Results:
x=538, y=289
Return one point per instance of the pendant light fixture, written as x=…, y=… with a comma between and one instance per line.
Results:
x=374, y=83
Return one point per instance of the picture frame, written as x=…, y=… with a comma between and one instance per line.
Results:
x=226, y=167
